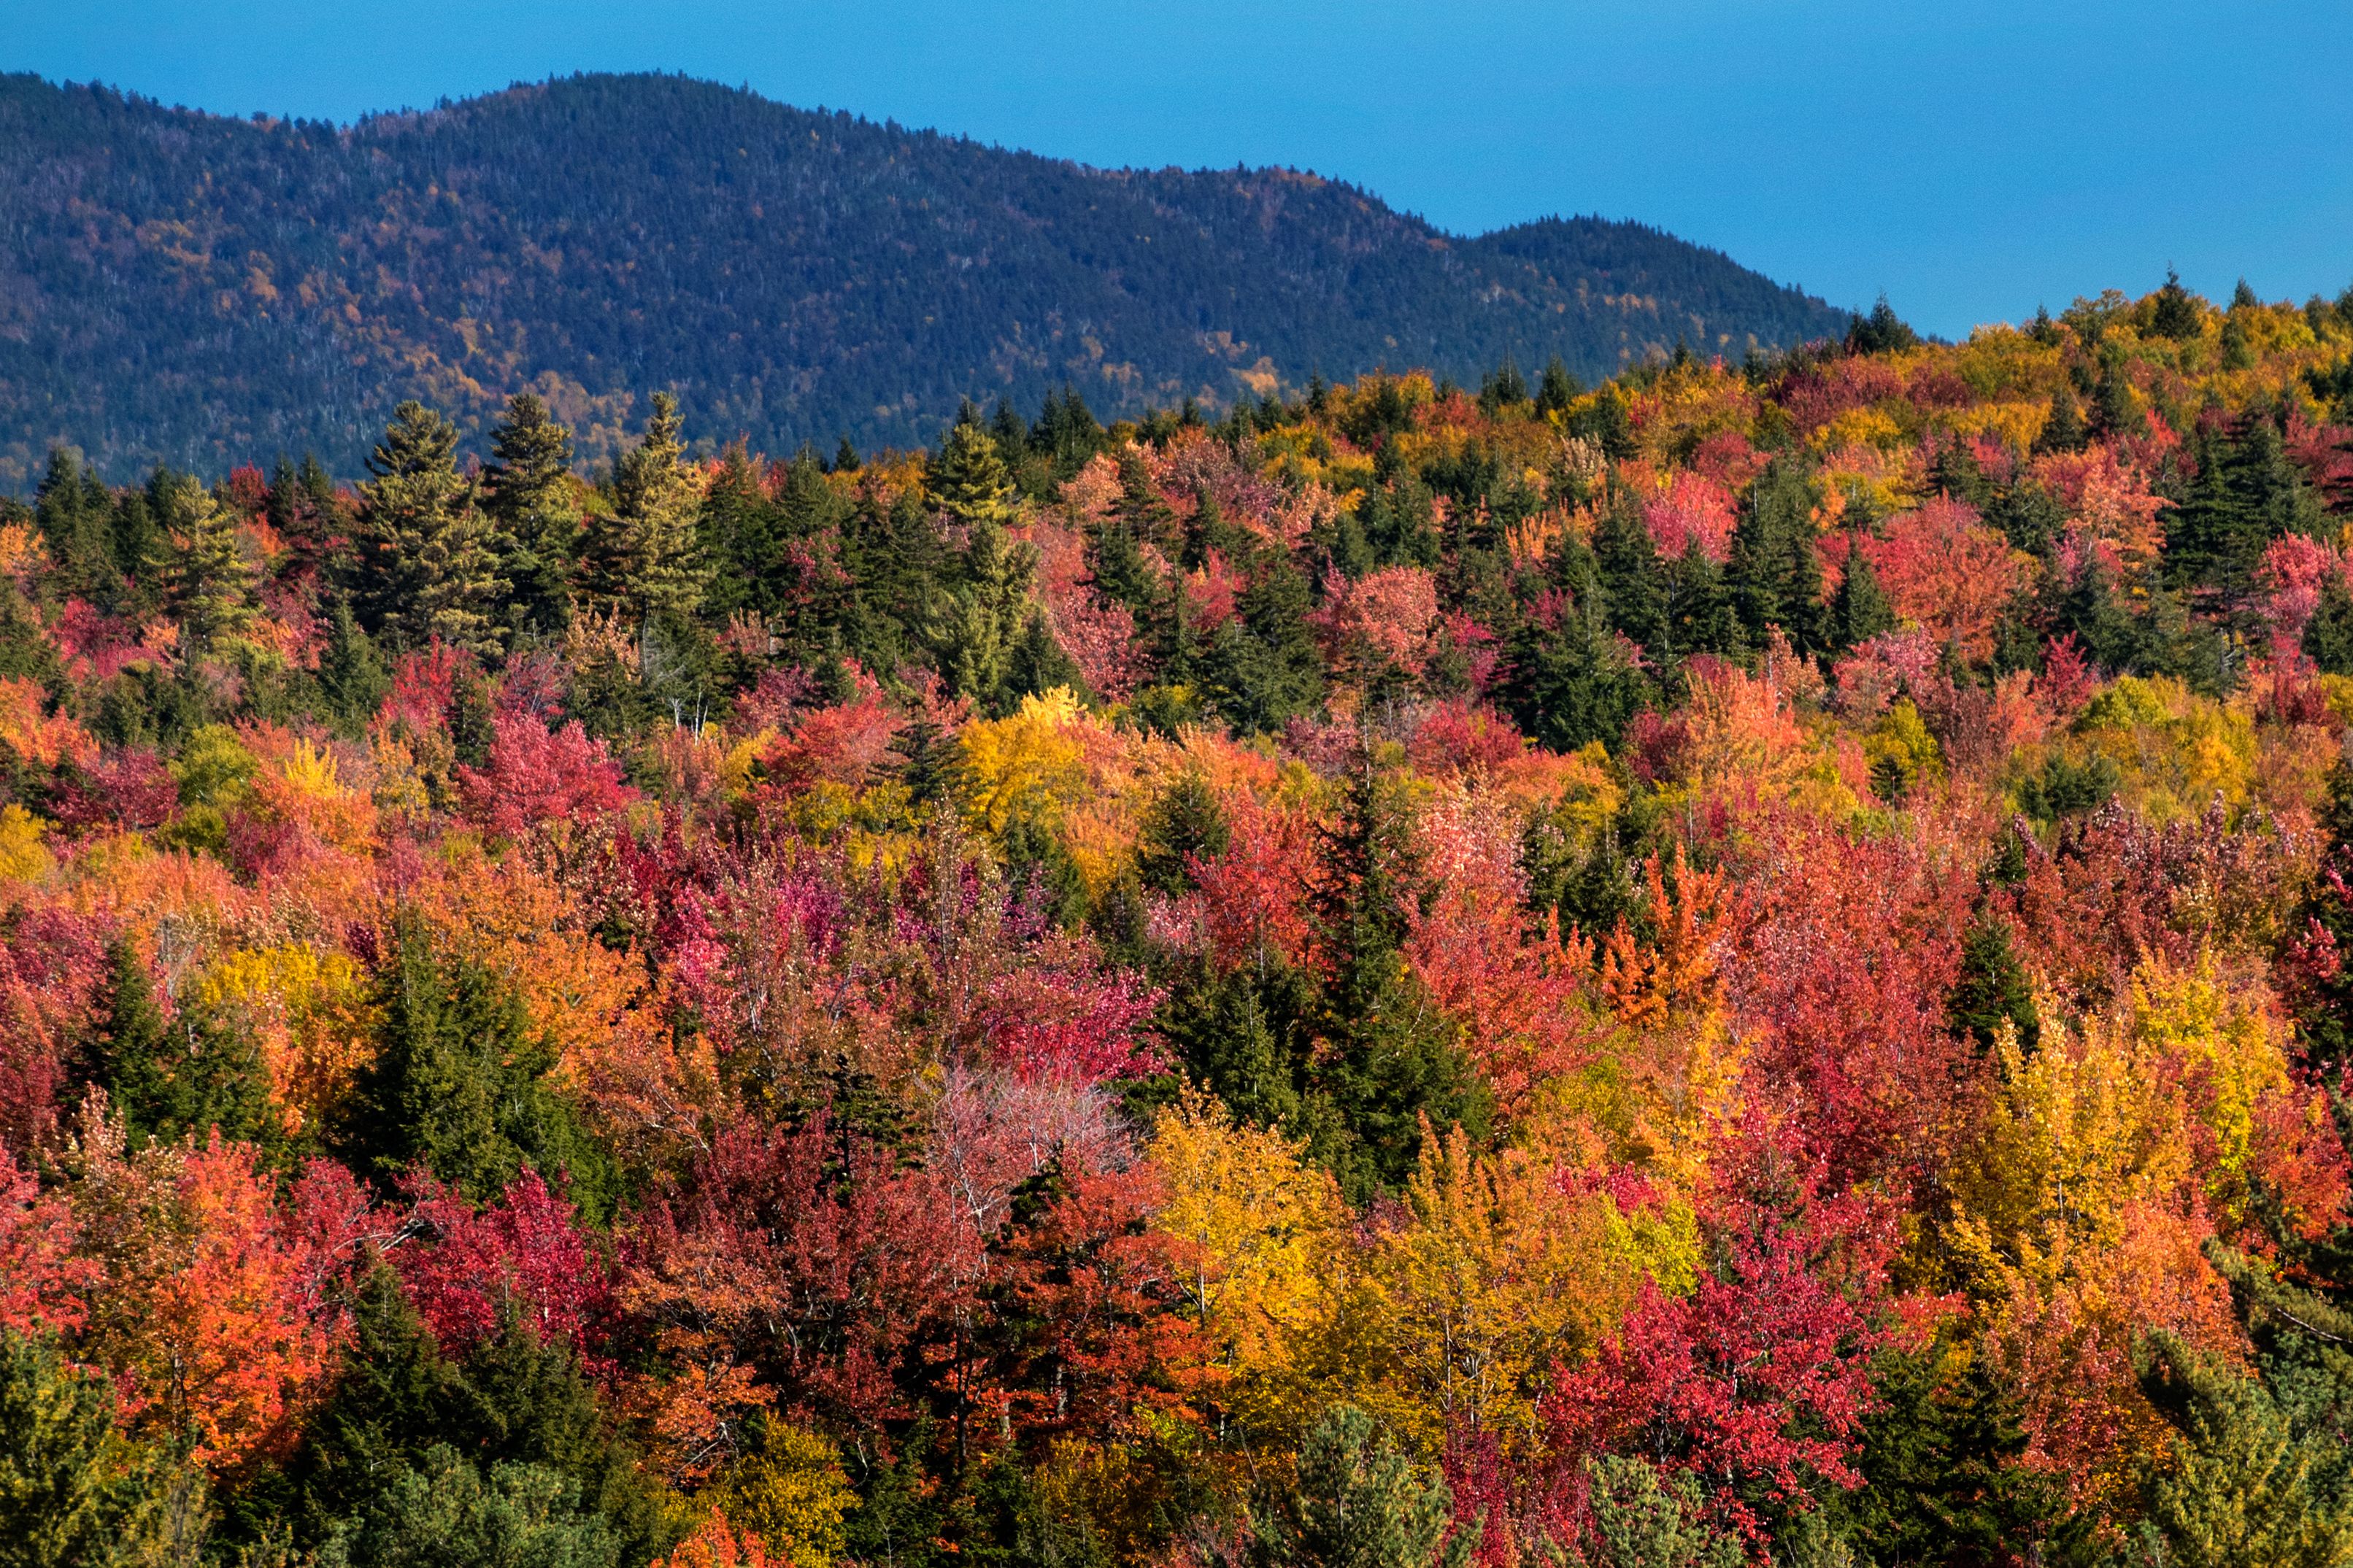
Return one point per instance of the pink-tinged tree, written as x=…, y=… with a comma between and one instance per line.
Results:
x=42, y=1278
x=1948, y=572
x=536, y=776
x=1756, y=1383
x=522, y=1255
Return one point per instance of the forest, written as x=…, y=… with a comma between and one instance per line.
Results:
x=1740, y=965
x=200, y=290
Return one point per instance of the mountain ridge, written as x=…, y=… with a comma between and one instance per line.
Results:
x=189, y=287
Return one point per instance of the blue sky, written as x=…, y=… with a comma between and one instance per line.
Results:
x=1972, y=160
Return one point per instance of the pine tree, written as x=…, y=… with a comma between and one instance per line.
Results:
x=1774, y=576
x=534, y=514
x=968, y=479
x=1391, y=1064
x=2063, y=430
x=1358, y=1503
x=174, y=1078
x=1700, y=614
x=645, y=558
x=1643, y=1520
x=209, y=584
x=1879, y=331
x=73, y=1492
x=977, y=627
x=458, y=1088
x=1861, y=611
x=2260, y=1471
x=1555, y=390
x=426, y=569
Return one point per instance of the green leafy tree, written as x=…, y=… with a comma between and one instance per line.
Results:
x=1358, y=1503
x=426, y=564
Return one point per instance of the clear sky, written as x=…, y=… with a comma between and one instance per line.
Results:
x=1972, y=158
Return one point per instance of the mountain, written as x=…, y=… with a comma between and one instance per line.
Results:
x=185, y=286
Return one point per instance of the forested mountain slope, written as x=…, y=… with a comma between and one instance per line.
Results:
x=185, y=286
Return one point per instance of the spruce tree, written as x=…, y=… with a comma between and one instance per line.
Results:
x=1992, y=987
x=2260, y=1471
x=426, y=564
x=1358, y=1503
x=76, y=519
x=1861, y=611
x=534, y=514
x=1391, y=1064
x=1700, y=614
x=2328, y=636
x=458, y=1086
x=73, y=1492
x=1555, y=390
x=1633, y=588
x=1263, y=668
x=645, y=557
x=2064, y=430
x=175, y=1078
x=209, y=584
x=2175, y=313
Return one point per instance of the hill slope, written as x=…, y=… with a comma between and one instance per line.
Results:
x=181, y=286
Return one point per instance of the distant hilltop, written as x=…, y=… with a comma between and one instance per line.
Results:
x=187, y=288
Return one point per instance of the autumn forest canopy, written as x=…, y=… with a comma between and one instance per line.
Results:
x=1739, y=964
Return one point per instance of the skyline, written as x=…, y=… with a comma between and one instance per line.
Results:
x=1971, y=168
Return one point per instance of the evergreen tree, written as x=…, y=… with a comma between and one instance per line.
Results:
x=645, y=558
x=2092, y=609
x=351, y=676
x=1879, y=331
x=1992, y=987
x=534, y=514
x=1358, y=1503
x=1861, y=611
x=1263, y=668
x=1943, y=1480
x=73, y=1492
x=1644, y=1519
x=76, y=519
x=1570, y=682
x=458, y=1086
x=1505, y=388
x=1555, y=390
x=1700, y=614
x=209, y=584
x=2328, y=636
x=2260, y=1471
x=426, y=563
x=1632, y=589
x=175, y=1077
x=447, y=1514
x=2175, y=313
x=1391, y=1064
x=2064, y=430
x=978, y=626
x=968, y=480
x=1774, y=576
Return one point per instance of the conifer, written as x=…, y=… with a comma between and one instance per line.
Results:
x=527, y=493
x=426, y=567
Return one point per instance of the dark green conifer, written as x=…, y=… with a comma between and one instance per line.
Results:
x=1861, y=611
x=533, y=509
x=426, y=565
x=74, y=1492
